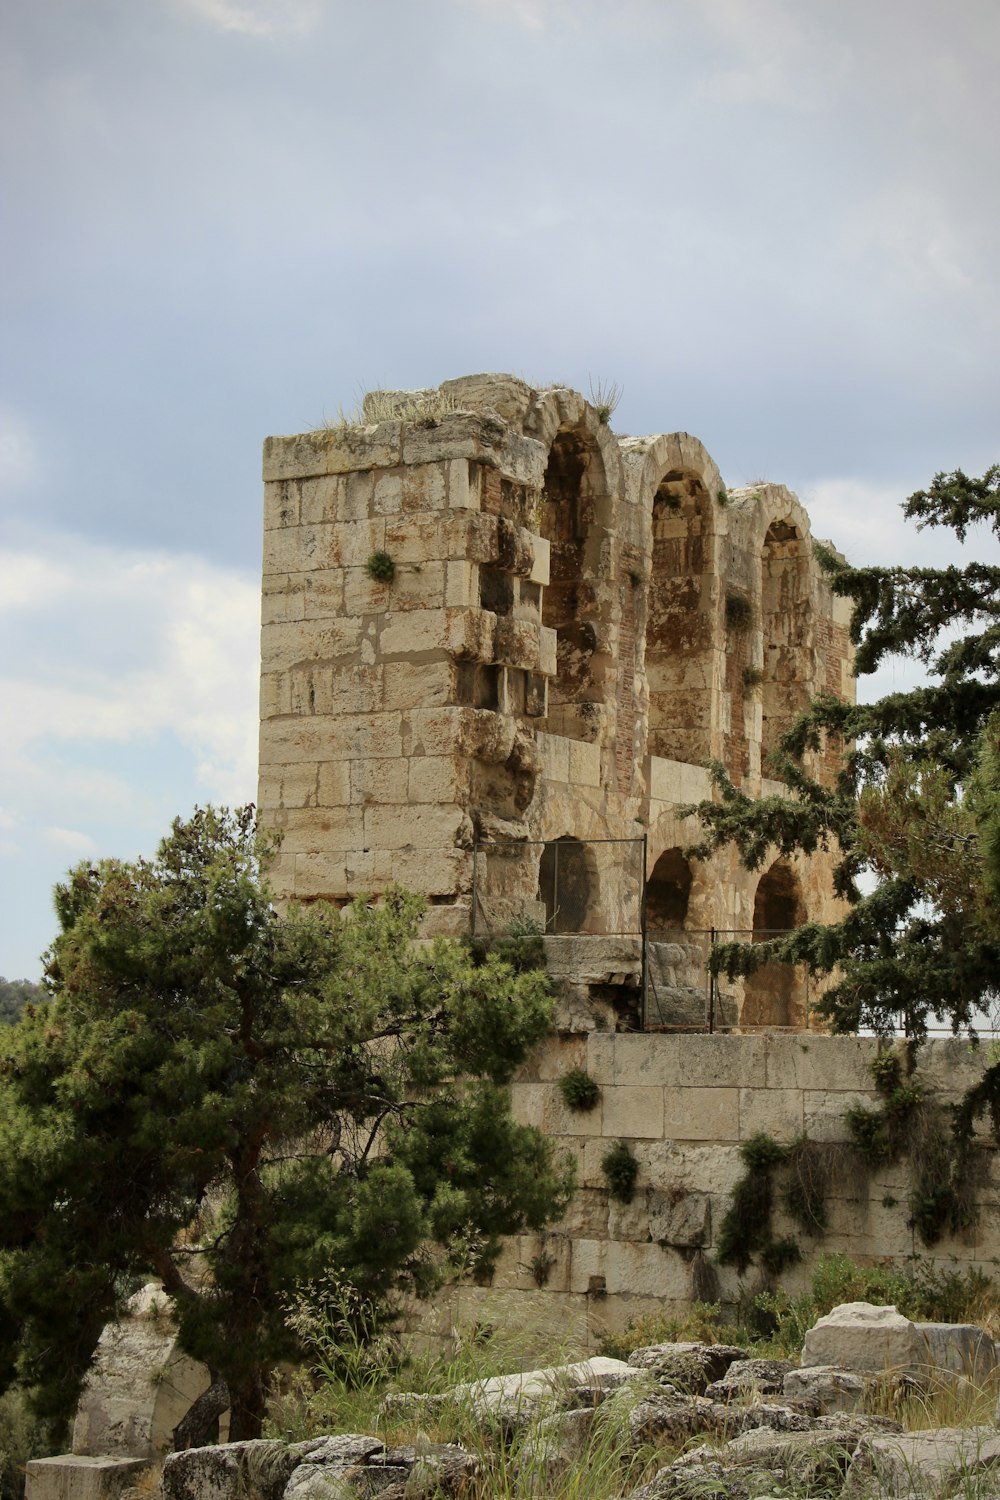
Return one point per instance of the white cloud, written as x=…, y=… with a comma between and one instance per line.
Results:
x=70, y=839
x=119, y=647
x=259, y=17
x=18, y=452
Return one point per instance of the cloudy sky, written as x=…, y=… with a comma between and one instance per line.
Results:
x=774, y=222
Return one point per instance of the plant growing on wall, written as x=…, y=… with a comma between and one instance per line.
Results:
x=739, y=612
x=621, y=1169
x=381, y=567
x=579, y=1090
x=746, y=1231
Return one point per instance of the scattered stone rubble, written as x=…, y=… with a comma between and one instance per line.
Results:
x=768, y=1428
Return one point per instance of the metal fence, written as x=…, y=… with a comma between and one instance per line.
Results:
x=680, y=994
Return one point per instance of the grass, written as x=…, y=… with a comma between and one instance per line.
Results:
x=384, y=406
x=359, y=1386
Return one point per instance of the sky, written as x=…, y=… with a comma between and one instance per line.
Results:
x=774, y=223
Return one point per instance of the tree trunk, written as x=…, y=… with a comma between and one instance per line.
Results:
x=246, y=1408
x=200, y=1424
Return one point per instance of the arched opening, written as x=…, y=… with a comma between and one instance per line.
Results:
x=572, y=487
x=775, y=995
x=786, y=622
x=567, y=884
x=668, y=891
x=679, y=623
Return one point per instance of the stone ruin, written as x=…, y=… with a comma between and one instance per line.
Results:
x=499, y=646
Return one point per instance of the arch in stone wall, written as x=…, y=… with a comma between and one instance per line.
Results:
x=668, y=893
x=676, y=484
x=568, y=885
x=581, y=478
x=787, y=628
x=776, y=994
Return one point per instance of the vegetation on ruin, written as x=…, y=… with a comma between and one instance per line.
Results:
x=621, y=1169
x=913, y=813
x=381, y=567
x=235, y=1100
x=739, y=612
x=605, y=398
x=579, y=1090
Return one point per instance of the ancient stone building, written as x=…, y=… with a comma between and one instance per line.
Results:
x=500, y=644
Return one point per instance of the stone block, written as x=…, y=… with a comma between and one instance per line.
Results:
x=321, y=500
x=823, y=1113
x=689, y=1062
x=601, y=1053
x=364, y=595
x=829, y=1063
x=953, y=1461
x=322, y=594
x=588, y=1262
x=776, y=1112
x=418, y=684
x=413, y=632
x=332, y=451
x=437, y=778
x=435, y=871
x=633, y=1112
x=587, y=1216
x=864, y=1339
x=380, y=781
x=553, y=751
x=559, y=1119
x=701, y=1114
x=228, y=1471
x=959, y=1349
x=285, y=645
x=77, y=1476
x=320, y=829
x=541, y=560
x=405, y=827
x=584, y=764
x=683, y=1220
x=461, y=494
x=333, y=785
x=283, y=505
x=425, y=488
x=645, y=1270
x=461, y=585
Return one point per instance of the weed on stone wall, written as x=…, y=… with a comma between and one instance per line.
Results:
x=381, y=567
x=620, y=1169
x=579, y=1090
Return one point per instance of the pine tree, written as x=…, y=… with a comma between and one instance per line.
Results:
x=239, y=1102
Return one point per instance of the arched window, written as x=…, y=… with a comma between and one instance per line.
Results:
x=786, y=623
x=573, y=486
x=668, y=891
x=679, y=621
x=567, y=884
x=775, y=995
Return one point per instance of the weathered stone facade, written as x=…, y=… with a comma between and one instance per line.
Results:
x=574, y=625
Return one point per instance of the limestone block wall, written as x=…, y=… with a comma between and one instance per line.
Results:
x=573, y=625
x=684, y=1104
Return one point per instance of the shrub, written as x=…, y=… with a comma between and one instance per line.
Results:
x=620, y=1169
x=381, y=567
x=579, y=1090
x=739, y=612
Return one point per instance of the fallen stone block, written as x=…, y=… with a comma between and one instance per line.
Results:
x=929, y=1463
x=865, y=1339
x=229, y=1471
x=78, y=1476
x=767, y=1376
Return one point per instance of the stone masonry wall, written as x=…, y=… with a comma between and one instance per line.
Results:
x=684, y=1104
x=574, y=625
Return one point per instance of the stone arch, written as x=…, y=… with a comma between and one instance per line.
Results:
x=575, y=518
x=676, y=484
x=668, y=893
x=568, y=884
x=776, y=994
x=786, y=626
